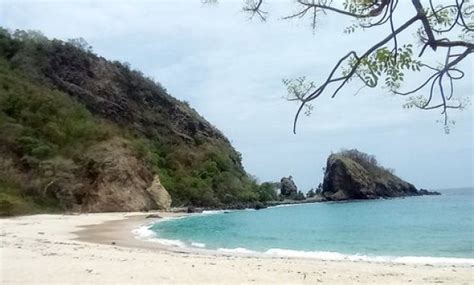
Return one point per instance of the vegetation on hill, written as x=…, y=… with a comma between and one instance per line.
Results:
x=41, y=131
x=368, y=161
x=58, y=100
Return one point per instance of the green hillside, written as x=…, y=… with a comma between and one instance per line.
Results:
x=62, y=106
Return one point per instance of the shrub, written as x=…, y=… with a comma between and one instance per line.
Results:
x=367, y=161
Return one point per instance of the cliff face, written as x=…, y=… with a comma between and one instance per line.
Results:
x=117, y=181
x=117, y=93
x=79, y=132
x=354, y=175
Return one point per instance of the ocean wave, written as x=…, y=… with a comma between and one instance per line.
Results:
x=145, y=233
x=169, y=242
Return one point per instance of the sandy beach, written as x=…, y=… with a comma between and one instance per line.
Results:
x=101, y=249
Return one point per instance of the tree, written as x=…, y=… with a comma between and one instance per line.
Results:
x=299, y=196
x=267, y=191
x=445, y=28
x=81, y=44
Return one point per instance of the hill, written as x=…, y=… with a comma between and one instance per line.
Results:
x=81, y=133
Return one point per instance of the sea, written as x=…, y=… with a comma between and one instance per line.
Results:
x=422, y=229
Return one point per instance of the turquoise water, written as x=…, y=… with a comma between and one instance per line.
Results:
x=427, y=226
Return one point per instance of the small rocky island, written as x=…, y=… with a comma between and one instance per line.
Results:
x=351, y=174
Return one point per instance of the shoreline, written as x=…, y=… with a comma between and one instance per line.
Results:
x=148, y=239
x=89, y=248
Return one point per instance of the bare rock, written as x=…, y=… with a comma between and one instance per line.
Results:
x=288, y=186
x=159, y=194
x=118, y=181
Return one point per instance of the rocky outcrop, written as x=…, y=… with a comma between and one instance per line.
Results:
x=113, y=180
x=426, y=192
x=121, y=182
x=288, y=186
x=159, y=194
x=349, y=177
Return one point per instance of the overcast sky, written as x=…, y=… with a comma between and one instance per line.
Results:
x=230, y=70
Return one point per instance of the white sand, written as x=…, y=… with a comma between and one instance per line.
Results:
x=45, y=249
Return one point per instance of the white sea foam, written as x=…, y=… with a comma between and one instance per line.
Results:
x=212, y=212
x=327, y=255
x=198, y=244
x=305, y=254
x=144, y=232
x=169, y=242
x=287, y=205
x=164, y=219
x=237, y=250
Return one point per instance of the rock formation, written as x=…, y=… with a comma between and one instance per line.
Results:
x=159, y=194
x=114, y=180
x=354, y=175
x=288, y=186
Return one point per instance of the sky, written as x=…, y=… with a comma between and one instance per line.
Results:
x=230, y=69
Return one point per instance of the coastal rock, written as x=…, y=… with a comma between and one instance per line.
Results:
x=153, y=216
x=355, y=175
x=117, y=181
x=426, y=192
x=159, y=194
x=192, y=209
x=259, y=206
x=288, y=186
